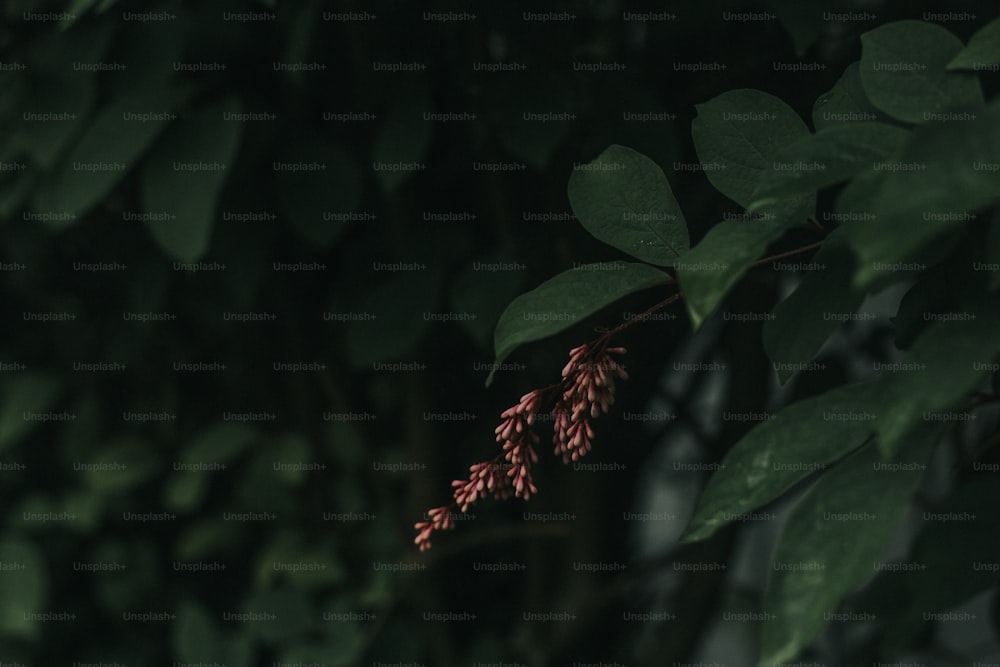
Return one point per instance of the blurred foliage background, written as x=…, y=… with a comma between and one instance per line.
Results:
x=175, y=488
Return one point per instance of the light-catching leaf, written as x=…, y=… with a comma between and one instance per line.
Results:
x=624, y=199
x=564, y=300
x=903, y=71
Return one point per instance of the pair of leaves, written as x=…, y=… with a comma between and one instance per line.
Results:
x=738, y=135
x=623, y=199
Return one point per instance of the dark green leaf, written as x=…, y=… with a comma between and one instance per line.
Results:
x=398, y=308
x=204, y=147
x=623, y=198
x=846, y=103
x=314, y=202
x=801, y=439
x=992, y=254
x=826, y=158
x=31, y=394
x=983, y=51
x=947, y=362
x=196, y=639
x=403, y=138
x=22, y=591
x=804, y=22
x=835, y=533
x=738, y=134
x=817, y=308
x=561, y=302
x=109, y=149
x=903, y=72
x=935, y=182
x=711, y=268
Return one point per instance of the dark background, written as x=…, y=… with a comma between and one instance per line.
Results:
x=380, y=443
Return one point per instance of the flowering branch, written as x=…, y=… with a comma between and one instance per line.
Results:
x=586, y=391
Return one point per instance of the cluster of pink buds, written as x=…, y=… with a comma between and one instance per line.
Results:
x=587, y=389
x=517, y=438
x=590, y=378
x=439, y=519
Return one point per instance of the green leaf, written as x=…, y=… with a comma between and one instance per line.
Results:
x=708, y=271
x=562, y=301
x=992, y=252
x=311, y=201
x=196, y=640
x=403, y=138
x=776, y=454
x=947, y=362
x=903, y=71
x=126, y=462
x=834, y=534
x=623, y=198
x=738, y=134
x=803, y=21
x=484, y=289
x=220, y=443
x=823, y=159
x=108, y=150
x=22, y=591
x=983, y=51
x=934, y=182
x=947, y=289
x=846, y=103
x=292, y=610
x=67, y=94
x=205, y=142
x=952, y=560
x=398, y=322
x=817, y=308
x=25, y=394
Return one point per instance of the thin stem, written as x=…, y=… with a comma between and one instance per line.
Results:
x=790, y=253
